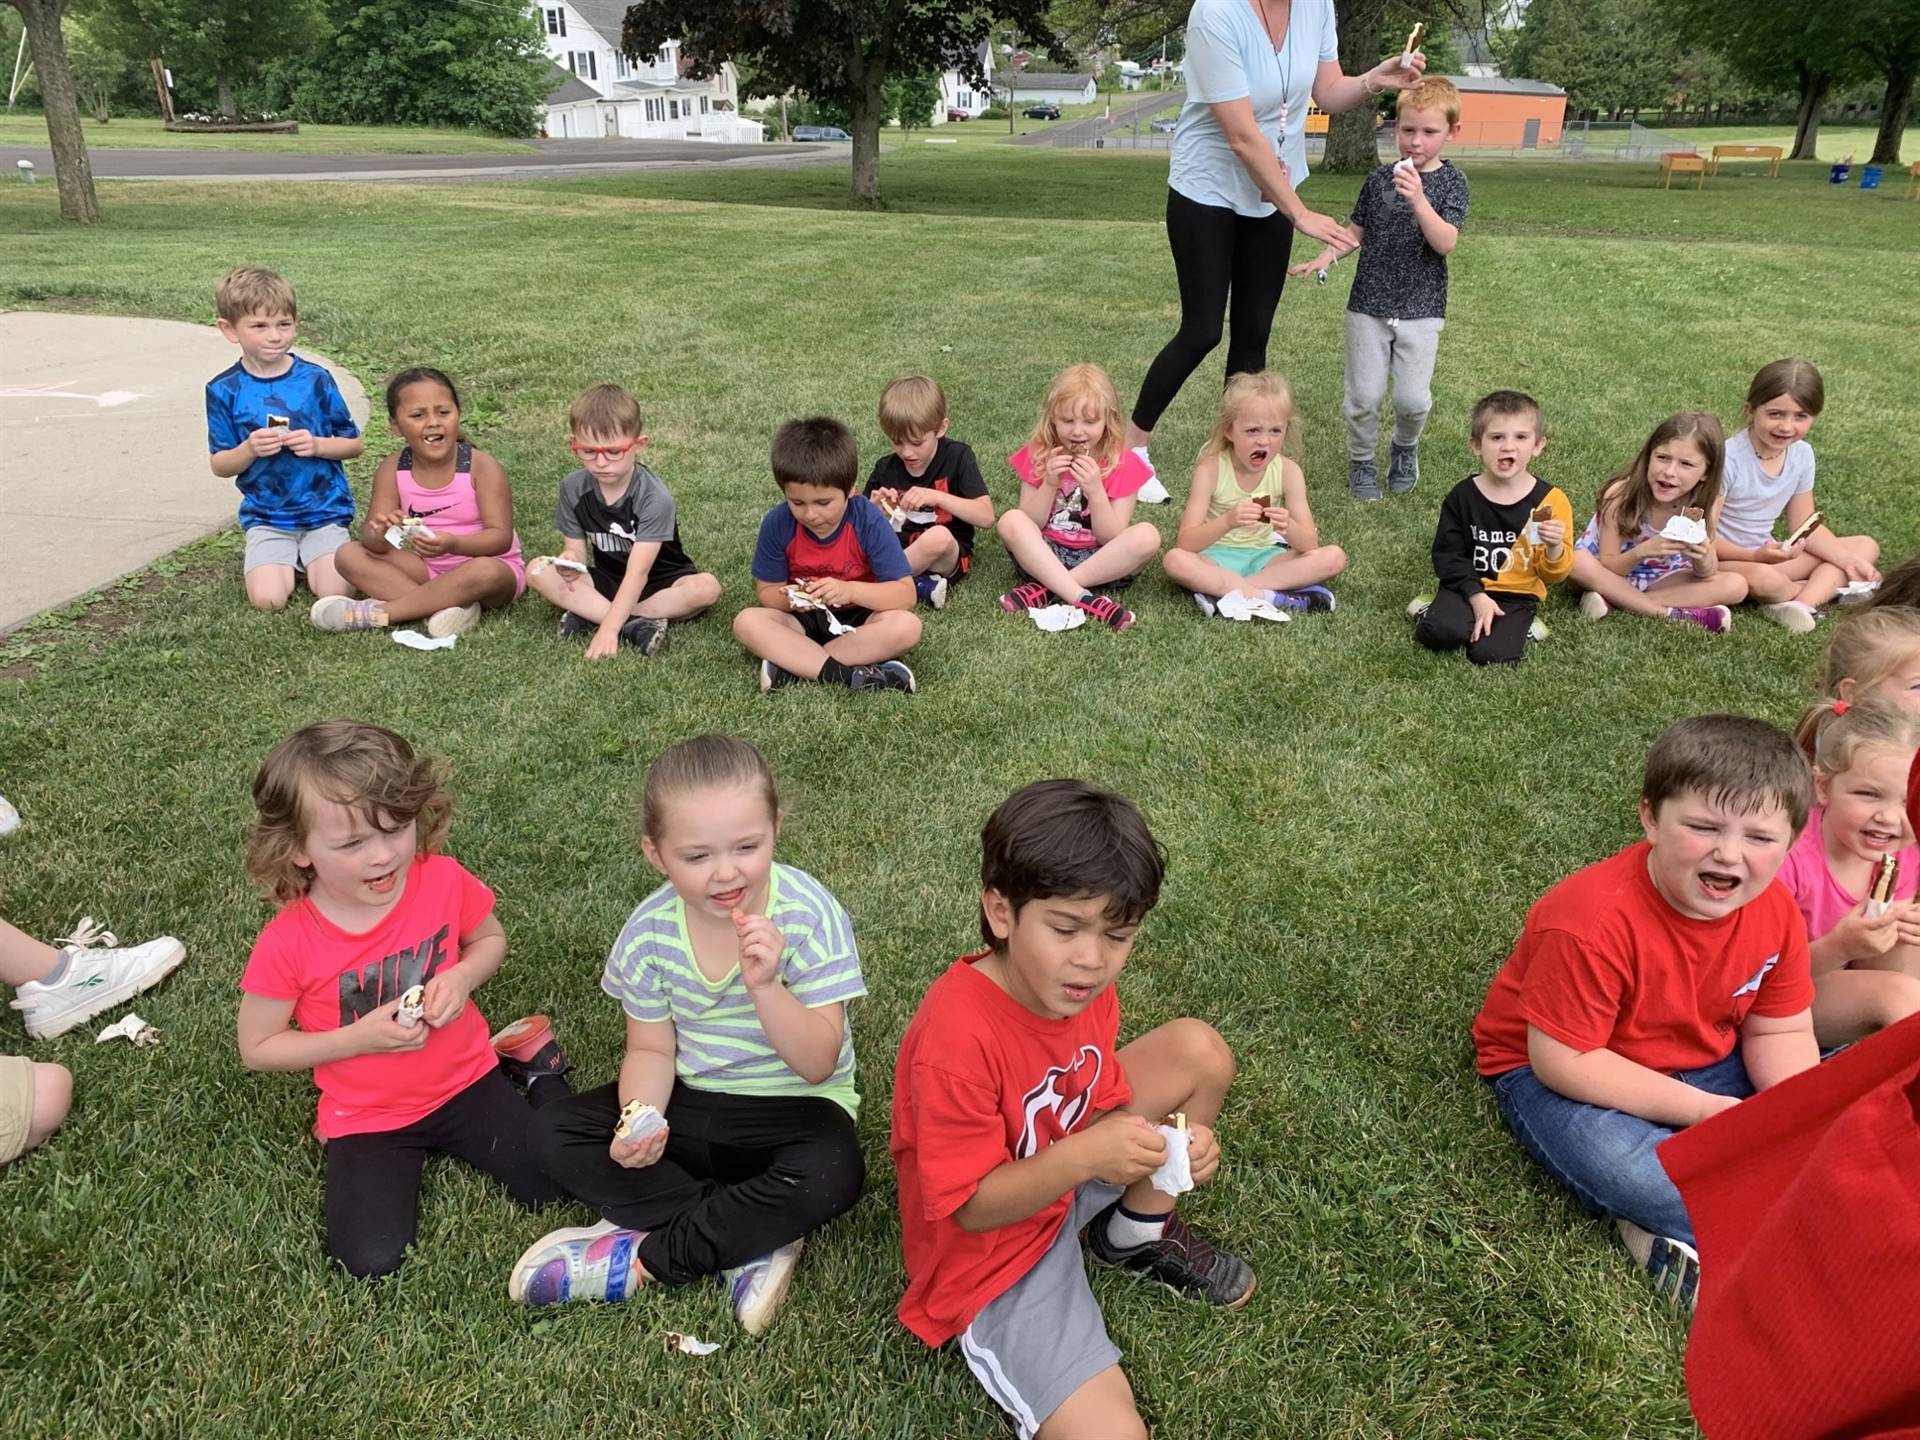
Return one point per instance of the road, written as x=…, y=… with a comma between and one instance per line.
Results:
x=551, y=158
x=1082, y=133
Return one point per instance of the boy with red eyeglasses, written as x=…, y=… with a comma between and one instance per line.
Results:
x=619, y=522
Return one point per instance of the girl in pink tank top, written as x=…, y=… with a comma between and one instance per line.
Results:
x=438, y=542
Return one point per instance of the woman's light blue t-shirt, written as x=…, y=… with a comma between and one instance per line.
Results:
x=1230, y=57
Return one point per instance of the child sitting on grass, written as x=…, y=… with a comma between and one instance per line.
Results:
x=1019, y=1120
x=617, y=519
x=929, y=472
x=1247, y=529
x=836, y=595
x=1501, y=540
x=1624, y=561
x=1864, y=940
x=735, y=977
x=1070, y=534
x=452, y=512
x=347, y=843
x=1657, y=988
x=278, y=426
x=1770, y=472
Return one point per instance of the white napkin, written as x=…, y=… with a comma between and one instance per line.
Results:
x=799, y=599
x=401, y=536
x=1687, y=532
x=1244, y=607
x=131, y=1028
x=1854, y=588
x=1058, y=617
x=1175, y=1175
x=689, y=1344
x=414, y=640
x=541, y=563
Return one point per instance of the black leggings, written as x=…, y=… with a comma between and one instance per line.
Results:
x=741, y=1175
x=1217, y=255
x=373, y=1180
x=1449, y=620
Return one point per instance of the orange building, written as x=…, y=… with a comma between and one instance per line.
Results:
x=1515, y=114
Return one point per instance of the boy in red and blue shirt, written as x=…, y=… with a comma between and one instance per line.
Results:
x=836, y=594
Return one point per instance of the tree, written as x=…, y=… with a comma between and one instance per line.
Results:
x=910, y=100
x=1612, y=57
x=1797, y=44
x=217, y=41
x=1887, y=34
x=837, y=51
x=100, y=69
x=1369, y=29
x=72, y=170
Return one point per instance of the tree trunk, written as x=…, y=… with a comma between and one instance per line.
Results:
x=1806, y=124
x=1893, y=116
x=226, y=93
x=72, y=171
x=1353, y=145
x=868, y=110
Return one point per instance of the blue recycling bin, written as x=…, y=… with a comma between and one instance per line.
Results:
x=1870, y=177
x=1838, y=174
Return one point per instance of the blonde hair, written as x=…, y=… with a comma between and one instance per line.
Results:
x=1249, y=388
x=249, y=290
x=1076, y=385
x=1799, y=380
x=911, y=406
x=366, y=768
x=706, y=762
x=1868, y=647
x=1430, y=92
x=1628, y=494
x=605, y=411
x=1833, y=732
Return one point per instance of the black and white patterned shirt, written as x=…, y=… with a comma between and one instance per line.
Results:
x=1400, y=276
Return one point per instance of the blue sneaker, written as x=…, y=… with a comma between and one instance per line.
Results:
x=931, y=590
x=887, y=675
x=584, y=1262
x=756, y=1288
x=1673, y=1265
x=1306, y=597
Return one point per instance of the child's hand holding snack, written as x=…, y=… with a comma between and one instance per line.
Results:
x=1203, y=1153
x=1249, y=512
x=1863, y=937
x=761, y=945
x=447, y=995
x=380, y=1031
x=268, y=440
x=300, y=442
x=827, y=590
x=1123, y=1148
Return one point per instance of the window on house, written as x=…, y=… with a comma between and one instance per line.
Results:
x=660, y=59
x=588, y=67
x=556, y=22
x=621, y=70
x=703, y=105
x=964, y=100
x=673, y=109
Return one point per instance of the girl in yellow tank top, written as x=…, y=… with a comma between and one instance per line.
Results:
x=1246, y=531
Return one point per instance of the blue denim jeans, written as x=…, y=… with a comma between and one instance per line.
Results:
x=1605, y=1157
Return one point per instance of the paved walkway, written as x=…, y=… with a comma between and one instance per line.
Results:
x=551, y=158
x=103, y=430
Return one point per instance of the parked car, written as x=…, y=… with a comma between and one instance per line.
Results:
x=819, y=132
x=1045, y=110
x=955, y=113
x=1163, y=127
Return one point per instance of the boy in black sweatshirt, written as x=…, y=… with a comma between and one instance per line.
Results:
x=1503, y=538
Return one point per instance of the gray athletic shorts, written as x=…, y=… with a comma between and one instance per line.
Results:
x=268, y=545
x=1043, y=1339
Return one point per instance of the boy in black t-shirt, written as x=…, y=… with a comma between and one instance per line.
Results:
x=929, y=487
x=616, y=518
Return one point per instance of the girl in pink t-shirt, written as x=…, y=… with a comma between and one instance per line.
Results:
x=438, y=542
x=1070, y=532
x=364, y=978
x=1865, y=942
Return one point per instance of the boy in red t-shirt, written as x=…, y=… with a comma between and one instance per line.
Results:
x=1660, y=987
x=1016, y=1122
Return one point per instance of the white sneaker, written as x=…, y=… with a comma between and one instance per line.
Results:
x=96, y=979
x=1153, y=492
x=1538, y=630
x=1790, y=615
x=1594, y=605
x=9, y=817
x=454, y=620
x=1673, y=1264
x=757, y=1287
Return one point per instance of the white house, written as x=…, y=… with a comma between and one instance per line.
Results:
x=599, y=92
x=1031, y=88
x=959, y=93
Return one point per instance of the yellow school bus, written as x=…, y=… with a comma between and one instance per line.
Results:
x=1316, y=119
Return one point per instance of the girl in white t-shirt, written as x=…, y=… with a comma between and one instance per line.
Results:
x=1769, y=471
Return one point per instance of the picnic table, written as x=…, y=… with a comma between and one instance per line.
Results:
x=1773, y=153
x=1913, y=181
x=1683, y=162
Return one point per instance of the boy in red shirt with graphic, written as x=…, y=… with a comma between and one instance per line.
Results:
x=1017, y=1122
x=835, y=591
x=1660, y=987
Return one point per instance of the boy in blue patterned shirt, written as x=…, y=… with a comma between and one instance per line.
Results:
x=277, y=425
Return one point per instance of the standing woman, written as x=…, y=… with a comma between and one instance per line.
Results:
x=1239, y=151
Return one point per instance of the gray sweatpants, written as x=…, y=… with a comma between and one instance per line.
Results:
x=1375, y=349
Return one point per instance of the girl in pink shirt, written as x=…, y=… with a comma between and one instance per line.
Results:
x=365, y=978
x=1866, y=950
x=449, y=508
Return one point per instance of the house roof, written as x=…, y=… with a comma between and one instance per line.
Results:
x=605, y=16
x=1503, y=85
x=569, y=87
x=1033, y=80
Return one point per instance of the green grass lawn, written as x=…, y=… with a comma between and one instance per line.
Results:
x=1833, y=141
x=149, y=134
x=1356, y=828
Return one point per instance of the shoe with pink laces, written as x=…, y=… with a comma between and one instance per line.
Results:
x=1029, y=596
x=1106, y=610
